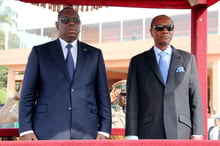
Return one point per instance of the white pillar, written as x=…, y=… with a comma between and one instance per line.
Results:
x=42, y=32
x=216, y=86
x=6, y=39
x=144, y=31
x=121, y=31
x=100, y=32
x=218, y=5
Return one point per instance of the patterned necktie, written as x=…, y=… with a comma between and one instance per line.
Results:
x=163, y=66
x=69, y=61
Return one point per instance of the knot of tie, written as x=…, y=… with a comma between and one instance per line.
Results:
x=163, y=66
x=69, y=46
x=162, y=54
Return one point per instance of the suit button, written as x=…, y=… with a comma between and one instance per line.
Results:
x=69, y=108
x=72, y=90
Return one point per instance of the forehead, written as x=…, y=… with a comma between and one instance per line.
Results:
x=69, y=13
x=162, y=20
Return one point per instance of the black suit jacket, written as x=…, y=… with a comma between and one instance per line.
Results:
x=158, y=111
x=56, y=107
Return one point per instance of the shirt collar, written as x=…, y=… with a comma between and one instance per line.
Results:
x=64, y=43
x=168, y=50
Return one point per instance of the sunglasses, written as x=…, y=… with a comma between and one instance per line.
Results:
x=161, y=27
x=66, y=20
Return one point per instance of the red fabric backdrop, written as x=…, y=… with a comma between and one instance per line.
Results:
x=170, y=4
x=113, y=143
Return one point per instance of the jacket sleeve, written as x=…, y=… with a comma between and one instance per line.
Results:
x=196, y=101
x=132, y=102
x=28, y=93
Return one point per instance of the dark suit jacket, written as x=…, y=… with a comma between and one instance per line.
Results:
x=157, y=111
x=57, y=108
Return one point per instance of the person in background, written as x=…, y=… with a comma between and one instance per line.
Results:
x=122, y=100
x=9, y=112
x=163, y=90
x=118, y=100
x=65, y=92
x=214, y=131
x=9, y=115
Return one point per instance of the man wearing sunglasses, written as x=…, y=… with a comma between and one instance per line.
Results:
x=163, y=91
x=65, y=92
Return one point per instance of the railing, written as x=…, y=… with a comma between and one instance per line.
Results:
x=14, y=131
x=112, y=143
x=9, y=132
x=115, y=131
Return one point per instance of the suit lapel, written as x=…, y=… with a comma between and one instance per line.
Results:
x=152, y=62
x=82, y=51
x=175, y=62
x=57, y=54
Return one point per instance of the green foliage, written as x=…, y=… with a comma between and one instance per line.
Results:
x=3, y=76
x=7, y=15
x=13, y=41
x=3, y=95
x=2, y=40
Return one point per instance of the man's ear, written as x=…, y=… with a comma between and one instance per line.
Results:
x=57, y=25
x=151, y=32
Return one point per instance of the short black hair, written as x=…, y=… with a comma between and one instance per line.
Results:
x=60, y=12
x=156, y=17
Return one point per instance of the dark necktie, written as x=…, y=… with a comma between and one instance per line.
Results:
x=163, y=66
x=69, y=61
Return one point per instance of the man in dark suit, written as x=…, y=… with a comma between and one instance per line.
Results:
x=163, y=106
x=214, y=131
x=62, y=101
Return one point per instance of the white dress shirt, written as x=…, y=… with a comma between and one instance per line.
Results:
x=168, y=50
x=73, y=50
